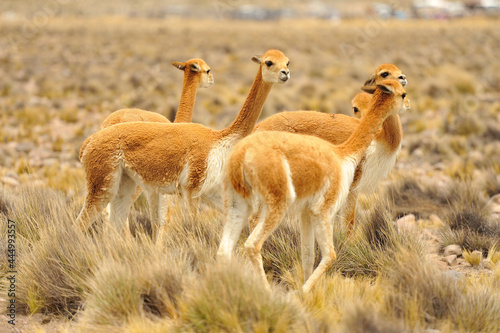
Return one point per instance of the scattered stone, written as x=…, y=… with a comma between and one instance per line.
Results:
x=476, y=257
x=25, y=147
x=10, y=181
x=453, y=249
x=486, y=263
x=455, y=275
x=451, y=260
x=12, y=174
x=431, y=330
x=428, y=235
x=436, y=220
x=50, y=162
x=493, y=205
x=407, y=223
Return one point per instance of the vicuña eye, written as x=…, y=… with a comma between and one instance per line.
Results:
x=269, y=63
x=288, y=64
x=404, y=95
x=384, y=74
x=356, y=109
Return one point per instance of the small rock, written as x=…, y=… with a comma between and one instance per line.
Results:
x=10, y=181
x=452, y=249
x=12, y=174
x=476, y=256
x=451, y=260
x=50, y=162
x=493, y=205
x=407, y=218
x=435, y=219
x=442, y=265
x=25, y=147
x=431, y=330
x=486, y=263
x=407, y=223
x=455, y=275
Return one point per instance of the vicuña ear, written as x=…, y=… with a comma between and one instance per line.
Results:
x=386, y=89
x=257, y=59
x=194, y=67
x=369, y=89
x=370, y=81
x=179, y=65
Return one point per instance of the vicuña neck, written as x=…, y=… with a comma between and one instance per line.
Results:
x=249, y=114
x=188, y=97
x=359, y=141
x=391, y=133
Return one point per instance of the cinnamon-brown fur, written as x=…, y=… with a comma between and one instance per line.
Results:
x=336, y=128
x=275, y=172
x=196, y=74
x=182, y=158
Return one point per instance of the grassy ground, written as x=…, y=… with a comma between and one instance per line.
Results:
x=60, y=79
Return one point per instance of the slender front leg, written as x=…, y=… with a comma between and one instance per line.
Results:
x=153, y=196
x=349, y=211
x=307, y=244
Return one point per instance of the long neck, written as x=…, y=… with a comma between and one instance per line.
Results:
x=249, y=114
x=391, y=133
x=359, y=141
x=188, y=97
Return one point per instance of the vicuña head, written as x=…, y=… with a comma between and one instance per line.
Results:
x=181, y=158
x=273, y=62
x=196, y=68
x=388, y=87
x=361, y=103
x=384, y=72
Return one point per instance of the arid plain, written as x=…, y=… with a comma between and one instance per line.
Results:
x=60, y=79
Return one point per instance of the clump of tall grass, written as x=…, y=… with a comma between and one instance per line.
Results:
x=411, y=196
x=376, y=241
x=467, y=220
x=134, y=280
x=361, y=318
x=231, y=298
x=52, y=257
x=478, y=308
x=418, y=292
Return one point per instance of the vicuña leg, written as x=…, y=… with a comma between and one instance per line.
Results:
x=236, y=218
x=153, y=196
x=307, y=245
x=349, y=211
x=88, y=215
x=324, y=234
x=268, y=221
x=99, y=193
x=120, y=205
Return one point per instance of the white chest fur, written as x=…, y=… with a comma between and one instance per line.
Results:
x=378, y=163
x=212, y=182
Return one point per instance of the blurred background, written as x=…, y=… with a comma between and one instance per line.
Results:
x=65, y=65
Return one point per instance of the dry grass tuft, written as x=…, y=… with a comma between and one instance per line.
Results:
x=411, y=196
x=140, y=284
x=467, y=220
x=231, y=298
x=375, y=243
x=360, y=318
x=473, y=258
x=419, y=293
